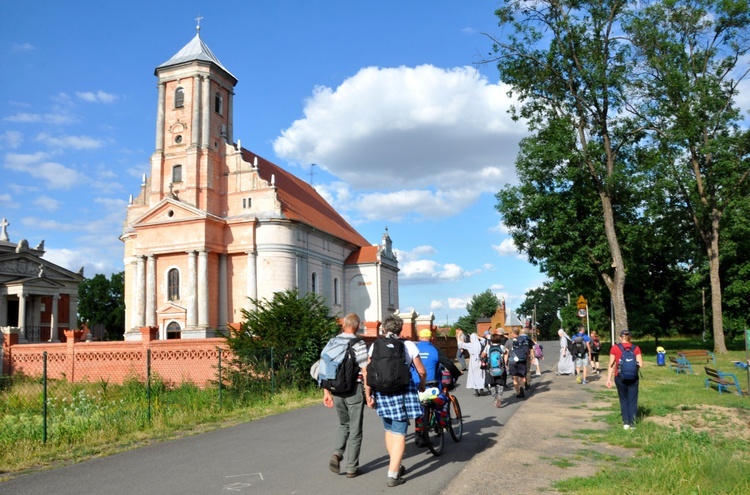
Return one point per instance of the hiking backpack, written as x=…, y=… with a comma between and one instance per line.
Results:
x=579, y=346
x=338, y=368
x=520, y=349
x=596, y=345
x=388, y=372
x=539, y=351
x=496, y=365
x=627, y=367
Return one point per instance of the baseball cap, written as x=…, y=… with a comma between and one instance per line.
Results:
x=425, y=332
x=625, y=332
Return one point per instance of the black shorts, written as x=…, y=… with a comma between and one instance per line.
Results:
x=517, y=369
x=594, y=357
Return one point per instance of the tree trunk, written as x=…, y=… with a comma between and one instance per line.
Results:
x=616, y=282
x=717, y=318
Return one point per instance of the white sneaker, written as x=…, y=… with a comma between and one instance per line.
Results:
x=537, y=374
x=625, y=427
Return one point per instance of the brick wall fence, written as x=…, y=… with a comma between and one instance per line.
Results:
x=174, y=361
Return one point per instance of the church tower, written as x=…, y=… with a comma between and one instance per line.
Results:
x=193, y=127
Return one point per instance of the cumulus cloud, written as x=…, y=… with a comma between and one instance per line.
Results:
x=55, y=175
x=506, y=248
x=96, y=97
x=416, y=270
x=40, y=118
x=47, y=203
x=22, y=47
x=445, y=132
x=11, y=139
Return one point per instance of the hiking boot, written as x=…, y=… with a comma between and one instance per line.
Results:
x=584, y=381
x=354, y=473
x=334, y=463
x=395, y=481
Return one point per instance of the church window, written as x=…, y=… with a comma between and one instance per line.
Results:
x=390, y=293
x=218, y=104
x=177, y=173
x=173, y=330
x=336, y=291
x=179, y=97
x=173, y=282
x=314, y=283
x=247, y=202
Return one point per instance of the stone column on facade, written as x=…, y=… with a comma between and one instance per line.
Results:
x=53, y=321
x=195, y=135
x=150, y=290
x=3, y=310
x=22, y=317
x=203, y=289
x=223, y=303
x=192, y=291
x=73, y=311
x=206, y=112
x=160, y=117
x=140, y=291
x=230, y=117
x=252, y=278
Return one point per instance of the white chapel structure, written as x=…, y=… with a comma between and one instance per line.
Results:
x=215, y=225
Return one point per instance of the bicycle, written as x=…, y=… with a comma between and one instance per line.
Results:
x=432, y=433
x=455, y=419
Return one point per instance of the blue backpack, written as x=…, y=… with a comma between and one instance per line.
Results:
x=627, y=368
x=496, y=365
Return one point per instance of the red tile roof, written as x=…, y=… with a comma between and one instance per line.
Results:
x=301, y=202
x=368, y=254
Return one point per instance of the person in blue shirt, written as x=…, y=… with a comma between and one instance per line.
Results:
x=581, y=353
x=432, y=360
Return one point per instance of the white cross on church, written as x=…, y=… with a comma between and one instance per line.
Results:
x=3, y=230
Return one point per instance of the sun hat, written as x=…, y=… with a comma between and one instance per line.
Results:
x=425, y=332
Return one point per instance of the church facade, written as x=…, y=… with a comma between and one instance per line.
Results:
x=215, y=226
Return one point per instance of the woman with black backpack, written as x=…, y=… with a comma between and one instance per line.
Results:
x=625, y=361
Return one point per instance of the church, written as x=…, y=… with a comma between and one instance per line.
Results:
x=215, y=226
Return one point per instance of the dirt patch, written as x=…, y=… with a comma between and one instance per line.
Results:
x=714, y=420
x=545, y=423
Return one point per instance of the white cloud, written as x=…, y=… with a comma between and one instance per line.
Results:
x=11, y=139
x=22, y=47
x=55, y=175
x=75, y=142
x=415, y=270
x=445, y=132
x=47, y=203
x=97, y=97
x=6, y=201
x=37, y=118
x=506, y=248
x=437, y=304
x=458, y=302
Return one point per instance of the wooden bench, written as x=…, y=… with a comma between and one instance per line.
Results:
x=698, y=354
x=722, y=380
x=680, y=365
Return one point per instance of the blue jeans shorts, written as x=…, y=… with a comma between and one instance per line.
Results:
x=395, y=426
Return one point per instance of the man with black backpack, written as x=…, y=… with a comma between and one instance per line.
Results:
x=581, y=350
x=345, y=393
x=518, y=355
x=625, y=361
x=392, y=392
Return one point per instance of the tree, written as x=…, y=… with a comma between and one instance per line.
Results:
x=568, y=71
x=482, y=305
x=545, y=301
x=692, y=55
x=102, y=301
x=297, y=328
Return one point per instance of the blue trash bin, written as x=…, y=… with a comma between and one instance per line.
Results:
x=661, y=355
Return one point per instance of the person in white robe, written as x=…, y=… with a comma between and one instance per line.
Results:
x=565, y=364
x=475, y=377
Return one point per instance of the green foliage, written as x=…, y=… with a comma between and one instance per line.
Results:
x=295, y=328
x=483, y=305
x=102, y=301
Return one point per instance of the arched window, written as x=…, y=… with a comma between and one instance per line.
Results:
x=177, y=173
x=179, y=97
x=173, y=280
x=314, y=283
x=336, y=291
x=390, y=293
x=218, y=104
x=174, y=331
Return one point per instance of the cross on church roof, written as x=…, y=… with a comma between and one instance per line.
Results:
x=3, y=230
x=198, y=20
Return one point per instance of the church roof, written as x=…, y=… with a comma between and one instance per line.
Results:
x=195, y=50
x=301, y=202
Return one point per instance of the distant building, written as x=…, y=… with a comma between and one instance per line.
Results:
x=503, y=318
x=215, y=224
x=37, y=297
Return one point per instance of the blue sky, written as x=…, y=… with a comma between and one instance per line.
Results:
x=385, y=97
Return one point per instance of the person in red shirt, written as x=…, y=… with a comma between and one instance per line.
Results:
x=627, y=390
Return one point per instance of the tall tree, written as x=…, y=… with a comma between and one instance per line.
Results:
x=568, y=70
x=482, y=305
x=692, y=58
x=102, y=301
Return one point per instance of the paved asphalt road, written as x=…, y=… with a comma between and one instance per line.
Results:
x=283, y=454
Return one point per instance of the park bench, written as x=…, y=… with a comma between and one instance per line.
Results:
x=722, y=380
x=680, y=365
x=698, y=354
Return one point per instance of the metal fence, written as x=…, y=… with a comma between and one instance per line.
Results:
x=49, y=407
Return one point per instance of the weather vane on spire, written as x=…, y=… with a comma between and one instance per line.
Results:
x=198, y=20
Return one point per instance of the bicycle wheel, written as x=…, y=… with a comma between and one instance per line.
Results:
x=435, y=436
x=455, y=420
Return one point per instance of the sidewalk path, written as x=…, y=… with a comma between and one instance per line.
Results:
x=543, y=425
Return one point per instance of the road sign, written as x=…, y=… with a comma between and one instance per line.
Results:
x=582, y=313
x=582, y=303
